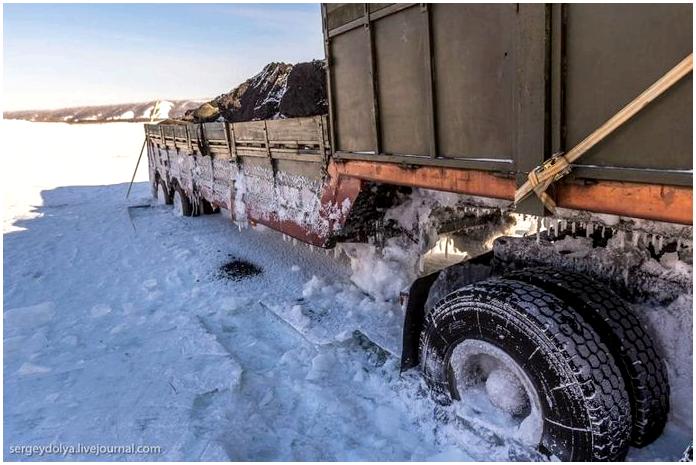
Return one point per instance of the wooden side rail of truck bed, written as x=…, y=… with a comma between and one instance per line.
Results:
x=304, y=139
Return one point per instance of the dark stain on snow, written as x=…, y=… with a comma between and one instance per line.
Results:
x=238, y=269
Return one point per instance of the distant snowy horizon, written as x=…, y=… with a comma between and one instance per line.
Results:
x=71, y=55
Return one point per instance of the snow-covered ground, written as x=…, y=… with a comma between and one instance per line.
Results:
x=119, y=328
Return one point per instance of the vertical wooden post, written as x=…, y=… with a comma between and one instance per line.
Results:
x=329, y=78
x=558, y=20
x=265, y=138
x=268, y=151
x=377, y=141
x=162, y=138
x=233, y=140
x=226, y=130
x=322, y=143
x=531, y=96
x=188, y=139
x=430, y=96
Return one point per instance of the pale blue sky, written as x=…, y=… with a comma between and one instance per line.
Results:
x=58, y=55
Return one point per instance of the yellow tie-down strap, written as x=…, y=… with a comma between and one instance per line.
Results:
x=553, y=169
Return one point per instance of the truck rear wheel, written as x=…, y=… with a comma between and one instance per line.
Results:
x=533, y=363
x=208, y=208
x=182, y=204
x=618, y=328
x=162, y=193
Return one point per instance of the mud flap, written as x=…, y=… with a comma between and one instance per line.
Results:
x=413, y=319
x=455, y=276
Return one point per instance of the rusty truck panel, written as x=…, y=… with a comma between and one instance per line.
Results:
x=270, y=172
x=500, y=88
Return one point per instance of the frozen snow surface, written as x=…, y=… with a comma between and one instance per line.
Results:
x=118, y=329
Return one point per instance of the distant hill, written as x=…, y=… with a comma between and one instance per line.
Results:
x=107, y=113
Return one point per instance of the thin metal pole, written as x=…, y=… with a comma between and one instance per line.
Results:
x=142, y=149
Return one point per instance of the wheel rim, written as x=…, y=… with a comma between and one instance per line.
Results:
x=178, y=204
x=483, y=371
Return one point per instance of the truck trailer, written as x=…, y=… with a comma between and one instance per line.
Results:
x=575, y=119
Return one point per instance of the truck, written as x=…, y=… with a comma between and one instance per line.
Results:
x=587, y=107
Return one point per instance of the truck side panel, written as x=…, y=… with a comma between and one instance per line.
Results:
x=501, y=88
x=612, y=53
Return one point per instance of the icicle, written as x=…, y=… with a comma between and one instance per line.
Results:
x=294, y=241
x=326, y=252
x=421, y=265
x=622, y=239
x=625, y=276
x=636, y=238
x=311, y=247
x=660, y=243
x=573, y=227
x=604, y=230
x=239, y=226
x=653, y=241
x=446, y=248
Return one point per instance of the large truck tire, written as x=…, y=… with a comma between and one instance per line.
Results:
x=208, y=208
x=536, y=360
x=632, y=348
x=162, y=194
x=182, y=204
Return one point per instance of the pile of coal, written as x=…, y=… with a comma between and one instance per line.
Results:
x=280, y=90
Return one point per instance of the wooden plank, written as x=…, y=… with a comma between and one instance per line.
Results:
x=249, y=131
x=214, y=131
x=293, y=129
